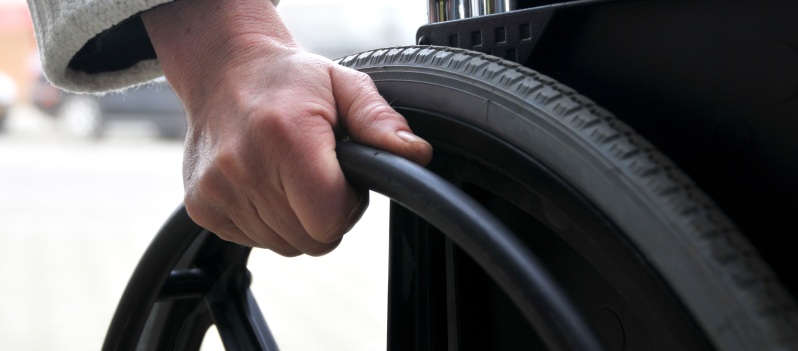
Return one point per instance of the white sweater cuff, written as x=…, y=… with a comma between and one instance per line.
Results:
x=63, y=27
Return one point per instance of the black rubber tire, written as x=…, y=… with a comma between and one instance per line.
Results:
x=649, y=232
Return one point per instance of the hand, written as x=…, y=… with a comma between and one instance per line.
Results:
x=260, y=167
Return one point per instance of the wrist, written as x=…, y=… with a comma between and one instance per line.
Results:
x=198, y=42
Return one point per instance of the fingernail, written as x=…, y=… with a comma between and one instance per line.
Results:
x=408, y=137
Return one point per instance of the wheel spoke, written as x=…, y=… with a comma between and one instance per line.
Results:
x=184, y=284
x=236, y=314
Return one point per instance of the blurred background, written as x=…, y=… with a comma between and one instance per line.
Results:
x=85, y=182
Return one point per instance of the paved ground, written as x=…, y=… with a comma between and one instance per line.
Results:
x=75, y=216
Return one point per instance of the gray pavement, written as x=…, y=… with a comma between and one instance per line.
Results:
x=76, y=215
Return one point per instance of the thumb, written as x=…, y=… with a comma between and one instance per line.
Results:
x=370, y=120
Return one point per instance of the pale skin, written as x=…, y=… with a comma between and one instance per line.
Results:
x=264, y=116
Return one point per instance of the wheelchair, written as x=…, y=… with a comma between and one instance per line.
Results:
x=608, y=174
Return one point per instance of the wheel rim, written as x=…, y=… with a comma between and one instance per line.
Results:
x=593, y=269
x=188, y=276
x=677, y=233
x=633, y=307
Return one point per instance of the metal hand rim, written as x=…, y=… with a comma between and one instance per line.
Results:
x=463, y=220
x=479, y=234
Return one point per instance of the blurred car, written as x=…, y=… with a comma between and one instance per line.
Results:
x=89, y=116
x=8, y=94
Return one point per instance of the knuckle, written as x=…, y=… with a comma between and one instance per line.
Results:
x=230, y=167
x=225, y=235
x=206, y=194
x=207, y=217
x=264, y=120
x=376, y=116
x=362, y=78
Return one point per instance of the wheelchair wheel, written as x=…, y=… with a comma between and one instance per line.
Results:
x=645, y=256
x=628, y=242
x=190, y=279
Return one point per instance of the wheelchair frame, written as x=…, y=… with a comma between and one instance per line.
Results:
x=707, y=111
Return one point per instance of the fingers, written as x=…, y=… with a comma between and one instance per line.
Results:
x=315, y=187
x=266, y=173
x=236, y=196
x=249, y=226
x=370, y=120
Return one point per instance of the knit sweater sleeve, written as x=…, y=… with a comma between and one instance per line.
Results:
x=95, y=45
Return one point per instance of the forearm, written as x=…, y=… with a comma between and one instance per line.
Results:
x=86, y=45
x=200, y=42
x=260, y=166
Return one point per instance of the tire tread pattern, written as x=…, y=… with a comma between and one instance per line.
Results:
x=771, y=309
